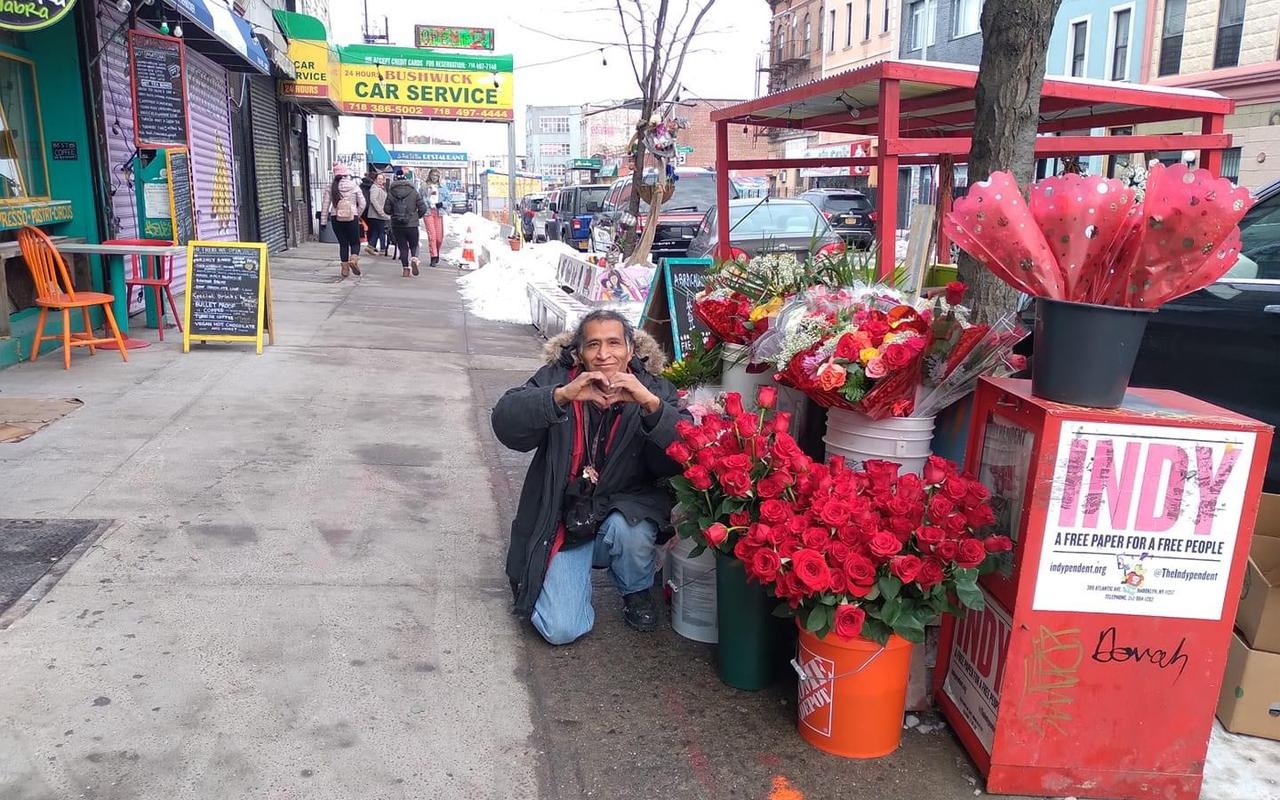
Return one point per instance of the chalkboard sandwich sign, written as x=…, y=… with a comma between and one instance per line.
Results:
x=181, y=202
x=158, y=68
x=228, y=293
x=668, y=311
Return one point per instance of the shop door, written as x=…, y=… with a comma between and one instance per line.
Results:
x=267, y=162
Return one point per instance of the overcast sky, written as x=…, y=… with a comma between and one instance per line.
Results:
x=725, y=67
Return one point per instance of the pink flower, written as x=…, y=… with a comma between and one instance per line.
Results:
x=831, y=376
x=876, y=368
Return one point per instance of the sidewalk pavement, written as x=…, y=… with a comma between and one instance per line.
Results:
x=301, y=593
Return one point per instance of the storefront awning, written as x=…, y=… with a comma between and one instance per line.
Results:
x=375, y=150
x=218, y=33
x=314, y=84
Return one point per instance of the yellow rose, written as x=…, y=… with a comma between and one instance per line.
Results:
x=767, y=310
x=867, y=354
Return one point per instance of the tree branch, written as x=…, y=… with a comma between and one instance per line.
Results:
x=635, y=70
x=684, y=50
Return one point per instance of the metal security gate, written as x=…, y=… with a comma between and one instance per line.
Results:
x=268, y=162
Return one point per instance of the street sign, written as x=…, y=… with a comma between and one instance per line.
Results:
x=445, y=37
x=586, y=163
x=683, y=152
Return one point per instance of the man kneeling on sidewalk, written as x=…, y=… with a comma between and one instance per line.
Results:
x=600, y=417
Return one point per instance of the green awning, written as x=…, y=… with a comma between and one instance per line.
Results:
x=301, y=26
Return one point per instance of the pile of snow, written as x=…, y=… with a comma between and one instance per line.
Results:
x=496, y=291
x=455, y=230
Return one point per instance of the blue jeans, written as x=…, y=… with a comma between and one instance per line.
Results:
x=563, y=611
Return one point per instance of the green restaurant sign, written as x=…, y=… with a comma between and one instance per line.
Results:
x=445, y=38
x=32, y=15
x=586, y=163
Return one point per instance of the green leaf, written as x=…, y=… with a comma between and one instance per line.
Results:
x=891, y=612
x=828, y=600
x=970, y=597
x=889, y=586
x=697, y=551
x=784, y=611
x=910, y=628
x=874, y=594
x=876, y=631
x=816, y=620
x=966, y=577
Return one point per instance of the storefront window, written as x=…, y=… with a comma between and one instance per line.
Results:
x=23, y=172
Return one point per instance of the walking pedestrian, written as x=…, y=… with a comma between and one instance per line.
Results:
x=435, y=216
x=405, y=207
x=377, y=215
x=366, y=184
x=600, y=417
x=346, y=202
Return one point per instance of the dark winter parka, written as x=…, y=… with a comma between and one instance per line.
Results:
x=632, y=479
x=404, y=205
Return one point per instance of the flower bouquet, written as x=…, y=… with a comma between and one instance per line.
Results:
x=873, y=553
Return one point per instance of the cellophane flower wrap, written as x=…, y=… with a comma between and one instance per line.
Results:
x=740, y=299
x=1097, y=240
x=732, y=462
x=870, y=552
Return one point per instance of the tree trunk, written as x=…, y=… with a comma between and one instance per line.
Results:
x=1015, y=41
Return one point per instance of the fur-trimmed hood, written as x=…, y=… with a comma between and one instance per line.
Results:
x=648, y=352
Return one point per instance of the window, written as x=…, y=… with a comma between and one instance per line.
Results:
x=23, y=171
x=1079, y=48
x=1226, y=52
x=920, y=29
x=1231, y=164
x=553, y=124
x=966, y=17
x=848, y=24
x=554, y=149
x=832, y=46
x=780, y=45
x=885, y=26
x=866, y=24
x=1121, y=23
x=1175, y=19
x=808, y=33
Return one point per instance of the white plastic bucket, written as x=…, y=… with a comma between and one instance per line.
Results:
x=902, y=440
x=735, y=378
x=693, y=592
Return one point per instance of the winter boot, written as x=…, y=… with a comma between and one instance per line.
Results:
x=413, y=264
x=355, y=264
x=346, y=268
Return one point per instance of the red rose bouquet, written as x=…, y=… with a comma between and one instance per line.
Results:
x=872, y=553
x=733, y=462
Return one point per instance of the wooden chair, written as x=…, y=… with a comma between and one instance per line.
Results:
x=54, y=290
x=154, y=271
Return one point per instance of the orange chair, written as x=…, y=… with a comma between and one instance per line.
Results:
x=154, y=271
x=54, y=290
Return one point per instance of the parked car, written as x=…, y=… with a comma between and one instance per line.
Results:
x=459, y=203
x=1233, y=325
x=694, y=193
x=850, y=212
x=572, y=209
x=533, y=216
x=768, y=225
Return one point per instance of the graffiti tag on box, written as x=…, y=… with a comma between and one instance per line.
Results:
x=1142, y=520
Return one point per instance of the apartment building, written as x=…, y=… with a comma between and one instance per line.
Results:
x=795, y=58
x=552, y=139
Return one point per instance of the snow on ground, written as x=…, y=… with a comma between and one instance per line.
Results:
x=455, y=227
x=496, y=291
x=1241, y=767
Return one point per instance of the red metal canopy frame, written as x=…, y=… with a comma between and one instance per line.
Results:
x=922, y=113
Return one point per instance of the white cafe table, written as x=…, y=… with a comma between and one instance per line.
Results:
x=114, y=254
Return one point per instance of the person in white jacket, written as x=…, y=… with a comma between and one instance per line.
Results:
x=433, y=195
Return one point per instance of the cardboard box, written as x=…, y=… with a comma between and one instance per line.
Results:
x=1250, y=699
x=1258, y=616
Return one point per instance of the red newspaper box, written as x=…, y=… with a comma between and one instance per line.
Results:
x=1094, y=670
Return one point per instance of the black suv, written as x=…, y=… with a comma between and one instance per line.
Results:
x=678, y=219
x=849, y=211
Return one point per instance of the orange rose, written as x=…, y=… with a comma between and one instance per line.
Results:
x=831, y=376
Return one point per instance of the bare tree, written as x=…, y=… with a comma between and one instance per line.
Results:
x=1015, y=42
x=657, y=39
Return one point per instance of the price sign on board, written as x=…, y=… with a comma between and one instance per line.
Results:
x=181, y=199
x=668, y=311
x=158, y=67
x=228, y=293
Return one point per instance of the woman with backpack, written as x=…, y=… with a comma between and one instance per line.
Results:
x=376, y=216
x=405, y=207
x=346, y=203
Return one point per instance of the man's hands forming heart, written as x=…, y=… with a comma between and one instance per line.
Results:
x=602, y=391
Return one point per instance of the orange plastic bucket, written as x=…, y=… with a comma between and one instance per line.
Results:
x=852, y=694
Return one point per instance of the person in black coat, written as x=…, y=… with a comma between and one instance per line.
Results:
x=600, y=417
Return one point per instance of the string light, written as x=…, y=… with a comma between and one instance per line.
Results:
x=177, y=30
x=604, y=62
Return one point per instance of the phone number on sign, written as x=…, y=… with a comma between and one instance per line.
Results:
x=403, y=110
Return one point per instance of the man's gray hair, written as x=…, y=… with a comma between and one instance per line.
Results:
x=604, y=315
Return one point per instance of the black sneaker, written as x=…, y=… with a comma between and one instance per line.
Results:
x=639, y=612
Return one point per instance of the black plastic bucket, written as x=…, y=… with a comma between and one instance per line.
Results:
x=1084, y=353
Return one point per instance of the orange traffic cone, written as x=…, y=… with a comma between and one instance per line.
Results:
x=468, y=248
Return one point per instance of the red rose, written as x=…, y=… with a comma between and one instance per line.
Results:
x=736, y=483
x=860, y=570
x=767, y=396
x=875, y=327
x=897, y=356
x=684, y=428
x=956, y=523
x=781, y=422
x=900, y=506
x=796, y=524
x=765, y=564
x=699, y=478
x=837, y=551
x=905, y=568
x=980, y=517
x=847, y=348
x=955, y=292
x=733, y=404
x=738, y=462
x=744, y=550
x=947, y=549
x=940, y=508
x=774, y=511
x=839, y=582
x=739, y=519
x=884, y=544
x=972, y=553
x=931, y=574
x=880, y=473
x=816, y=539
x=910, y=486
x=998, y=544
x=929, y=536
x=746, y=425
x=708, y=457
x=935, y=470
x=785, y=447
x=810, y=569
x=978, y=492
x=849, y=619
x=678, y=453
x=835, y=513
x=770, y=487
x=716, y=534
x=902, y=527
x=955, y=488
x=788, y=547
